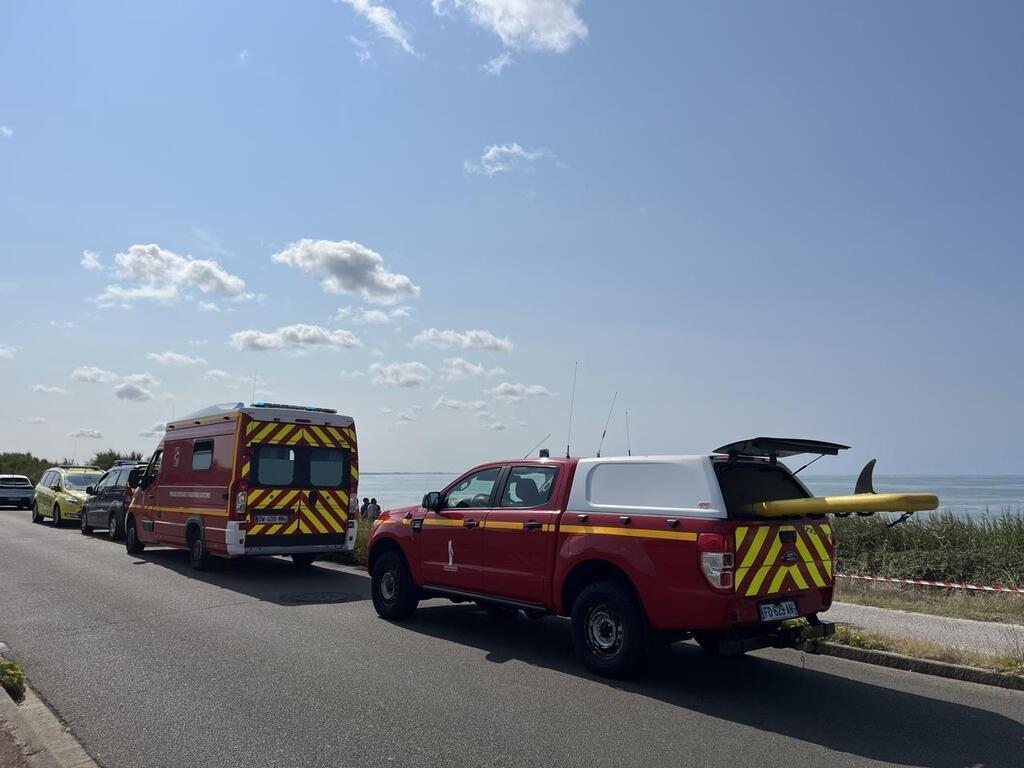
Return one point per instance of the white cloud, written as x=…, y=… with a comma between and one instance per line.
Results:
x=500, y=158
x=515, y=393
x=537, y=25
x=497, y=65
x=156, y=274
x=407, y=375
x=363, y=316
x=298, y=336
x=349, y=267
x=209, y=306
x=174, y=358
x=47, y=390
x=91, y=434
x=386, y=411
x=216, y=374
x=243, y=56
x=91, y=261
x=32, y=419
x=496, y=425
x=412, y=414
x=458, y=369
x=350, y=374
x=146, y=379
x=384, y=20
x=362, y=50
x=93, y=375
x=459, y=405
x=130, y=391
x=63, y=324
x=475, y=339
x=7, y=353
x=157, y=430
x=6, y=131
x=198, y=342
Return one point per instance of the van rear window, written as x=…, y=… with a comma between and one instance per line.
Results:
x=326, y=467
x=300, y=466
x=275, y=465
x=748, y=483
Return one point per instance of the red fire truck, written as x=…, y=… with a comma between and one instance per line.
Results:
x=638, y=551
x=232, y=480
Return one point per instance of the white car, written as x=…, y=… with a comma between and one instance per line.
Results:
x=16, y=491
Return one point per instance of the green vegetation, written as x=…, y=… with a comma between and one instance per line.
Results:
x=33, y=466
x=935, y=547
x=957, y=603
x=1012, y=664
x=12, y=679
x=357, y=556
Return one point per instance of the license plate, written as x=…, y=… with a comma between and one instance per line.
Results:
x=271, y=519
x=785, y=609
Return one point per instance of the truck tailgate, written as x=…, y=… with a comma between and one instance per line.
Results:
x=780, y=558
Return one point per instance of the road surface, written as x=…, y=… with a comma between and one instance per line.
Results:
x=257, y=664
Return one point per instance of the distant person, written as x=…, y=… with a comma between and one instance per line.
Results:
x=362, y=509
x=373, y=510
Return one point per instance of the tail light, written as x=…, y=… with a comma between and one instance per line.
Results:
x=716, y=559
x=241, y=498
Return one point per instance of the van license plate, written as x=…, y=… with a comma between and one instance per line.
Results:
x=272, y=519
x=778, y=611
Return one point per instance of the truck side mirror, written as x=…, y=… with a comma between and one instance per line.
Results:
x=90, y=491
x=432, y=500
x=133, y=478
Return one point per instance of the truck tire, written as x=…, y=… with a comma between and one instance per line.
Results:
x=132, y=543
x=608, y=629
x=56, y=516
x=303, y=560
x=83, y=524
x=394, y=597
x=198, y=554
x=36, y=517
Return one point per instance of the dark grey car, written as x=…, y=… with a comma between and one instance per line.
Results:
x=107, y=501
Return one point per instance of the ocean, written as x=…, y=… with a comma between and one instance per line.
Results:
x=968, y=495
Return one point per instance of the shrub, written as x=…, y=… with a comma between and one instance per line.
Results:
x=12, y=679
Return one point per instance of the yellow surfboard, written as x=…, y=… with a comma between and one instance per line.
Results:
x=830, y=505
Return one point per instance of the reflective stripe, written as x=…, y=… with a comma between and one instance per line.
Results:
x=631, y=532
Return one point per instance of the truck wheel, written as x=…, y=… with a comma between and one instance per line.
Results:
x=36, y=517
x=56, y=517
x=83, y=524
x=198, y=554
x=303, y=560
x=608, y=629
x=392, y=589
x=132, y=543
x=113, y=530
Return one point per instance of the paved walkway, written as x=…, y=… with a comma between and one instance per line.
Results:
x=968, y=634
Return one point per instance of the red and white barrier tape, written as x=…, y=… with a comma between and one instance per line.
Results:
x=922, y=583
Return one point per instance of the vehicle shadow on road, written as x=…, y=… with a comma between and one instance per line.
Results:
x=275, y=580
x=838, y=713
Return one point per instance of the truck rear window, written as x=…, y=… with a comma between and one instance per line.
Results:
x=748, y=483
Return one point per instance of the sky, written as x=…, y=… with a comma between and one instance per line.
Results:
x=795, y=219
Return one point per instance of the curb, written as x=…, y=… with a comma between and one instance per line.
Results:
x=923, y=666
x=45, y=741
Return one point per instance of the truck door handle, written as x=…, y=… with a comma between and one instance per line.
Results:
x=532, y=525
x=470, y=523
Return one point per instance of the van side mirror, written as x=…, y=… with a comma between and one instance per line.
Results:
x=432, y=500
x=133, y=478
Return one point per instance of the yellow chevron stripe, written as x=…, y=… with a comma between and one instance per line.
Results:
x=253, y=530
x=755, y=546
x=303, y=527
x=291, y=528
x=808, y=559
x=245, y=469
x=741, y=534
x=330, y=518
x=337, y=435
x=274, y=529
x=312, y=517
x=819, y=546
x=255, y=494
x=267, y=429
x=322, y=435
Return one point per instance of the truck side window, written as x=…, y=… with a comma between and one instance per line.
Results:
x=529, y=486
x=153, y=468
x=474, y=491
x=275, y=465
x=202, y=455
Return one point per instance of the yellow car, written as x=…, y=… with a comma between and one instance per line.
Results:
x=60, y=493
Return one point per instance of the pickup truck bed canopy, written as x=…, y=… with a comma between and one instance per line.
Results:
x=780, y=447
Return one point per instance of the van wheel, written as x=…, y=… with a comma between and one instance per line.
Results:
x=56, y=517
x=113, y=529
x=391, y=588
x=132, y=543
x=303, y=560
x=36, y=517
x=83, y=524
x=198, y=554
x=608, y=629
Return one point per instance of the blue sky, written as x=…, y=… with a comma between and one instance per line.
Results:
x=747, y=218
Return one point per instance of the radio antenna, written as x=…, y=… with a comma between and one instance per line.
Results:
x=255, y=376
x=629, y=450
x=572, y=401
x=606, y=423
x=538, y=445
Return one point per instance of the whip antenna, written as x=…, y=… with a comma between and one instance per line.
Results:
x=572, y=401
x=629, y=450
x=606, y=423
x=538, y=445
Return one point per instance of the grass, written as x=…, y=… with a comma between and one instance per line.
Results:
x=12, y=679
x=1012, y=664
x=955, y=603
x=935, y=547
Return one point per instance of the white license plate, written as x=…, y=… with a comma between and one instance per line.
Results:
x=271, y=519
x=785, y=609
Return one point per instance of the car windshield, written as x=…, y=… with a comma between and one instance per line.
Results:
x=81, y=480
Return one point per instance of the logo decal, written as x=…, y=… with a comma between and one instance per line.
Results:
x=451, y=558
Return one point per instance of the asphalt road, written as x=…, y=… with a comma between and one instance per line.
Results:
x=256, y=664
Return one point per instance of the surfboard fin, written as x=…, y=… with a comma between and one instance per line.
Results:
x=864, y=479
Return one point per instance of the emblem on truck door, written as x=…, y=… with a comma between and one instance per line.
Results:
x=451, y=557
